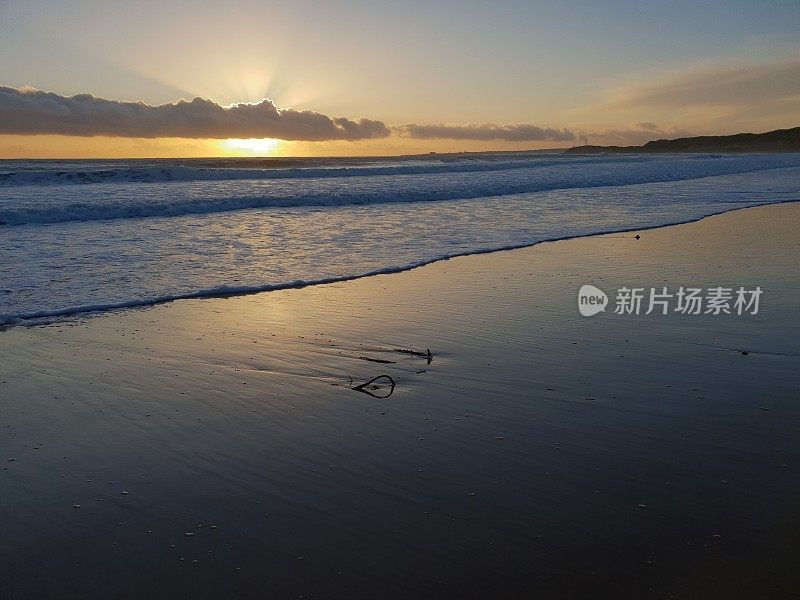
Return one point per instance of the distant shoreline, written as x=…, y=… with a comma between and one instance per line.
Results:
x=780, y=140
x=777, y=141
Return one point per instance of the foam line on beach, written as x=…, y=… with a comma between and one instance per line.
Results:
x=50, y=316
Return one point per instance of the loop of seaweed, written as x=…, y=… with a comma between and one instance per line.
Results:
x=364, y=387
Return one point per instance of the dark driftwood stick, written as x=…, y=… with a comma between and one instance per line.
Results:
x=427, y=354
x=378, y=360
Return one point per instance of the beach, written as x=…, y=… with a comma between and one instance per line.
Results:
x=215, y=447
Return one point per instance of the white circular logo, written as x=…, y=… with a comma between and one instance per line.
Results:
x=591, y=300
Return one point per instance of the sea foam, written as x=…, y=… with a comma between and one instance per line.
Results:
x=71, y=249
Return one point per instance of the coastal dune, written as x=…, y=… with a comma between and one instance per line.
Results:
x=209, y=448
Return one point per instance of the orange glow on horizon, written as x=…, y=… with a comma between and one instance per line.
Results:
x=250, y=147
x=61, y=146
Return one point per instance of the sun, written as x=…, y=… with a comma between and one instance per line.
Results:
x=259, y=146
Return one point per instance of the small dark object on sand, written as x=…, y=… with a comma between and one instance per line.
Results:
x=368, y=388
x=427, y=354
x=637, y=236
x=745, y=353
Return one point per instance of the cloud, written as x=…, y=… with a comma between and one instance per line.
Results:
x=711, y=98
x=634, y=135
x=522, y=132
x=728, y=86
x=28, y=111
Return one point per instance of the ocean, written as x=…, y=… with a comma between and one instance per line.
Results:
x=82, y=236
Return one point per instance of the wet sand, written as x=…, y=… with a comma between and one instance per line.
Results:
x=215, y=449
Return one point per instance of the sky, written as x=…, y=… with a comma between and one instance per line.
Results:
x=387, y=77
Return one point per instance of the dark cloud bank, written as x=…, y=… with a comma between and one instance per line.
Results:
x=28, y=111
x=522, y=132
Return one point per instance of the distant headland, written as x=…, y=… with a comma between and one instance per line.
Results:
x=780, y=140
